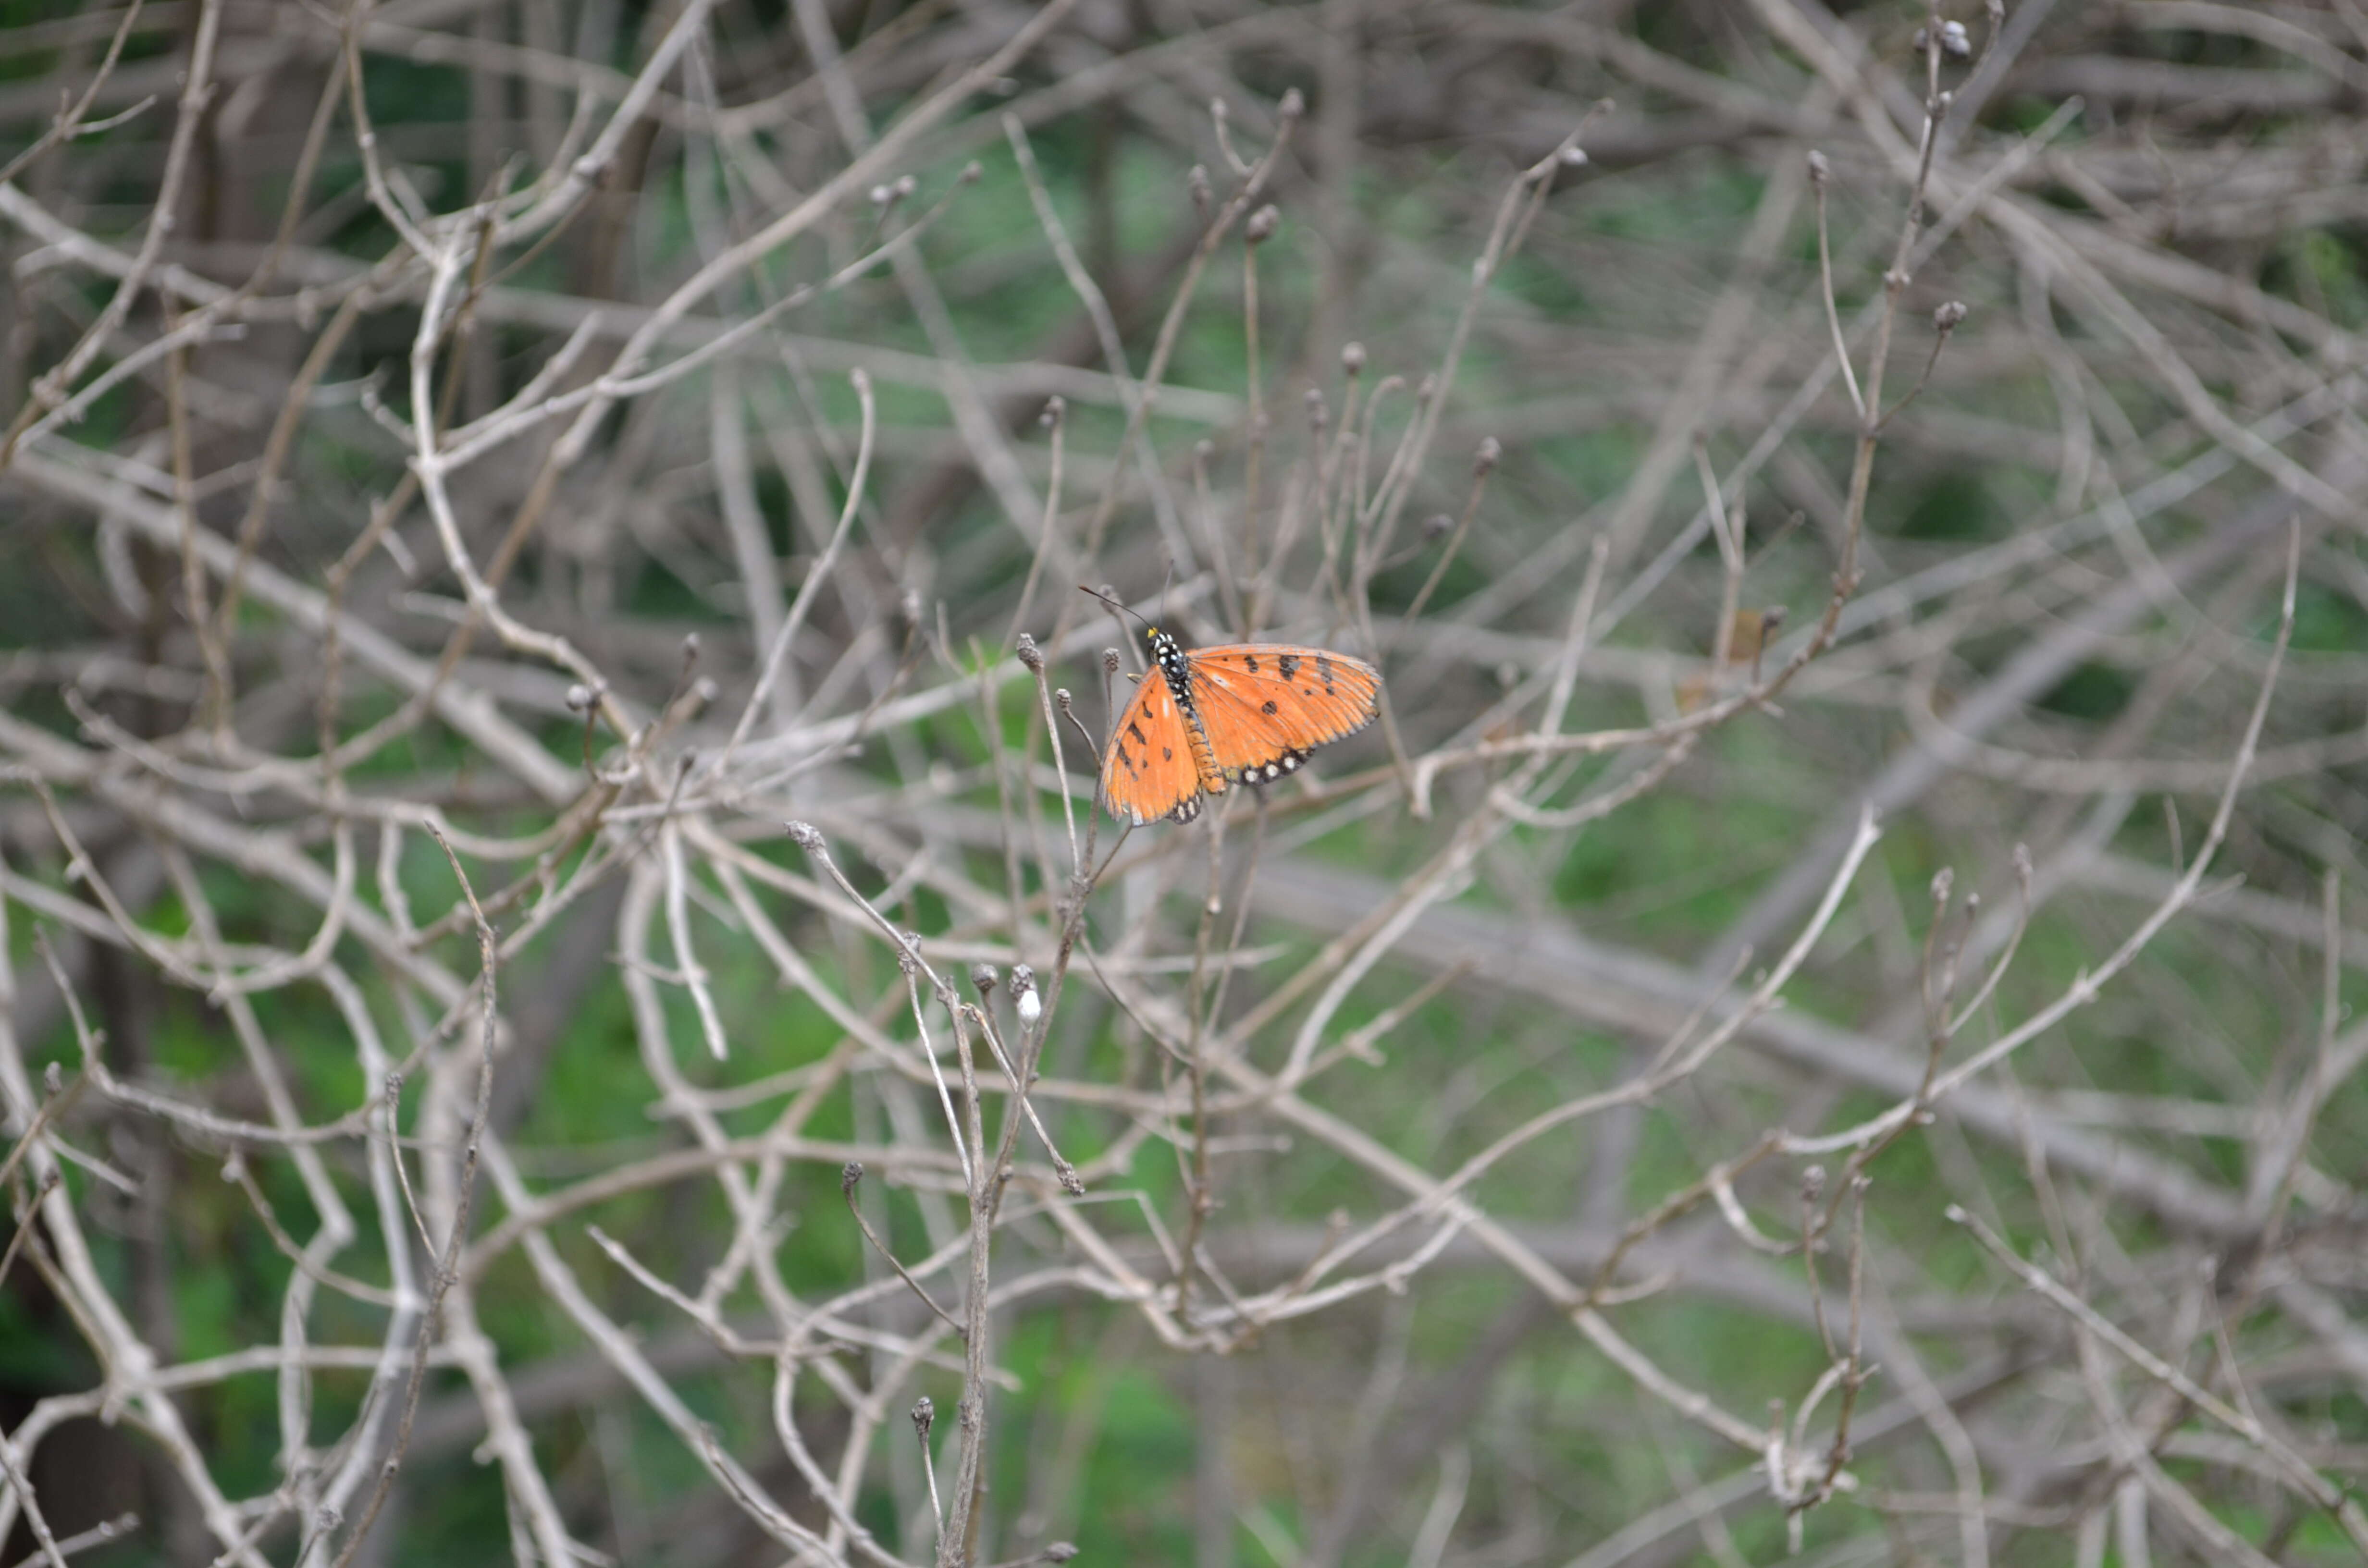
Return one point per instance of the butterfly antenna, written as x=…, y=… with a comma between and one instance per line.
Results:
x=1108, y=598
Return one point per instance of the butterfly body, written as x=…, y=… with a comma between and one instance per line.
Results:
x=1206, y=718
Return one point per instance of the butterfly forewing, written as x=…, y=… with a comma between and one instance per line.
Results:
x=1265, y=705
x=1147, y=769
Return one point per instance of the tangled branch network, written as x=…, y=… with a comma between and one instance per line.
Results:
x=569, y=992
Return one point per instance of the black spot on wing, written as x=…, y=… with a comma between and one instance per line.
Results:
x=1137, y=731
x=1249, y=662
x=1268, y=706
x=1287, y=665
x=1324, y=672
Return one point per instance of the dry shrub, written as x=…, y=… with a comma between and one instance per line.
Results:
x=556, y=912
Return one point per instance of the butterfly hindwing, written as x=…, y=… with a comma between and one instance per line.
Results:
x=1148, y=768
x=1265, y=706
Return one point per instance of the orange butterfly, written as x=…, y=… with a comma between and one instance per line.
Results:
x=1243, y=713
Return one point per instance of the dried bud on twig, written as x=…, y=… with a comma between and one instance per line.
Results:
x=1197, y=182
x=1109, y=661
x=1031, y=657
x=1293, y=105
x=850, y=1176
x=981, y=978
x=1031, y=1007
x=579, y=697
x=806, y=835
x=1955, y=42
x=1948, y=317
x=1261, y=226
x=1319, y=412
x=1054, y=407
x=1352, y=359
x=1486, y=460
x=1820, y=171
x=925, y=1415
x=1436, y=525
